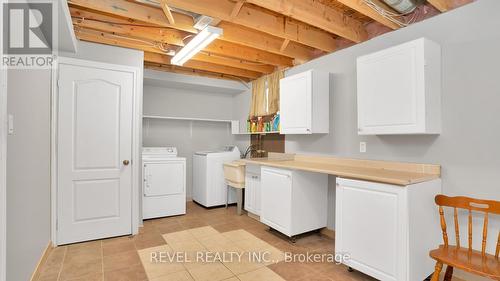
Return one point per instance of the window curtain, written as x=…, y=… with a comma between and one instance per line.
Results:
x=266, y=95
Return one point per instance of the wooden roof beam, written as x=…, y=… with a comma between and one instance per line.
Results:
x=197, y=63
x=229, y=48
x=262, y=20
x=160, y=35
x=138, y=12
x=319, y=15
x=191, y=71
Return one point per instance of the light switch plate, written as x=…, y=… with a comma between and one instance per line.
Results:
x=11, y=124
x=362, y=146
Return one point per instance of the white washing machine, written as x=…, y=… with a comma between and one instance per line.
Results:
x=164, y=182
x=209, y=186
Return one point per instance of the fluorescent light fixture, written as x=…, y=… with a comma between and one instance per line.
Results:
x=199, y=42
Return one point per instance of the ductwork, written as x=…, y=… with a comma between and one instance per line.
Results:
x=404, y=6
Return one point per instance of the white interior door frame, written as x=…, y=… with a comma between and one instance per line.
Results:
x=136, y=131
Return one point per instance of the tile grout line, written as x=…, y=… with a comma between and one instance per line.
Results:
x=62, y=263
x=102, y=261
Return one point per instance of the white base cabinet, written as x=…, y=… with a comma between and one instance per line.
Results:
x=293, y=202
x=387, y=230
x=252, y=189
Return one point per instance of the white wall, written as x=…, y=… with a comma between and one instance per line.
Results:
x=28, y=171
x=189, y=136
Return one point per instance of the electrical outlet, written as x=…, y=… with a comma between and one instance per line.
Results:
x=362, y=146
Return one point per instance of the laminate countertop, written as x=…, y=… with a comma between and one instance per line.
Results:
x=396, y=173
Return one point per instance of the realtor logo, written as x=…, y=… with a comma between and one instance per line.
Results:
x=28, y=34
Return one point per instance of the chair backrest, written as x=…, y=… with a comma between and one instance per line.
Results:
x=470, y=204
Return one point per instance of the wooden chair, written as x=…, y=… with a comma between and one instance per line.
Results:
x=467, y=259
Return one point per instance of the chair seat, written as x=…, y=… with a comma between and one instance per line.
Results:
x=471, y=261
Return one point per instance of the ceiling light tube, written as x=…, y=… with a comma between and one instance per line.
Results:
x=199, y=42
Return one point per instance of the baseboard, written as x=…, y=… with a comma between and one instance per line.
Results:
x=330, y=233
x=41, y=262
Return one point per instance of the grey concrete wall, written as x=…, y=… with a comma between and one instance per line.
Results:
x=28, y=171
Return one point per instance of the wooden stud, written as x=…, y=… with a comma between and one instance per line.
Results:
x=443, y=226
x=319, y=15
x=457, y=228
x=361, y=7
x=167, y=12
x=263, y=20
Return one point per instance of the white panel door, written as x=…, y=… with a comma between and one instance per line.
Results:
x=276, y=199
x=94, y=143
x=296, y=103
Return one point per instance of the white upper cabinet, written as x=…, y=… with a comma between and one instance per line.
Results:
x=304, y=103
x=399, y=90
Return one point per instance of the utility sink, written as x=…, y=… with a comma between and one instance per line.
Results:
x=234, y=174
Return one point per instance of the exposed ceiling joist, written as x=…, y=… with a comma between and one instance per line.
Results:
x=163, y=59
x=361, y=7
x=260, y=19
x=191, y=71
x=263, y=41
x=138, y=12
x=197, y=62
x=319, y=15
x=218, y=46
x=167, y=36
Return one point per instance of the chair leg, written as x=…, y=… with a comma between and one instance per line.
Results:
x=449, y=273
x=437, y=271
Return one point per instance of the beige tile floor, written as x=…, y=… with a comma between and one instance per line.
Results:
x=212, y=232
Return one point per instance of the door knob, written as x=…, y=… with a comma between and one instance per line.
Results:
x=126, y=162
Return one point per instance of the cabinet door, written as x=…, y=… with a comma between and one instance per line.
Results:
x=296, y=103
x=369, y=227
x=276, y=199
x=249, y=193
x=257, y=195
x=391, y=91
